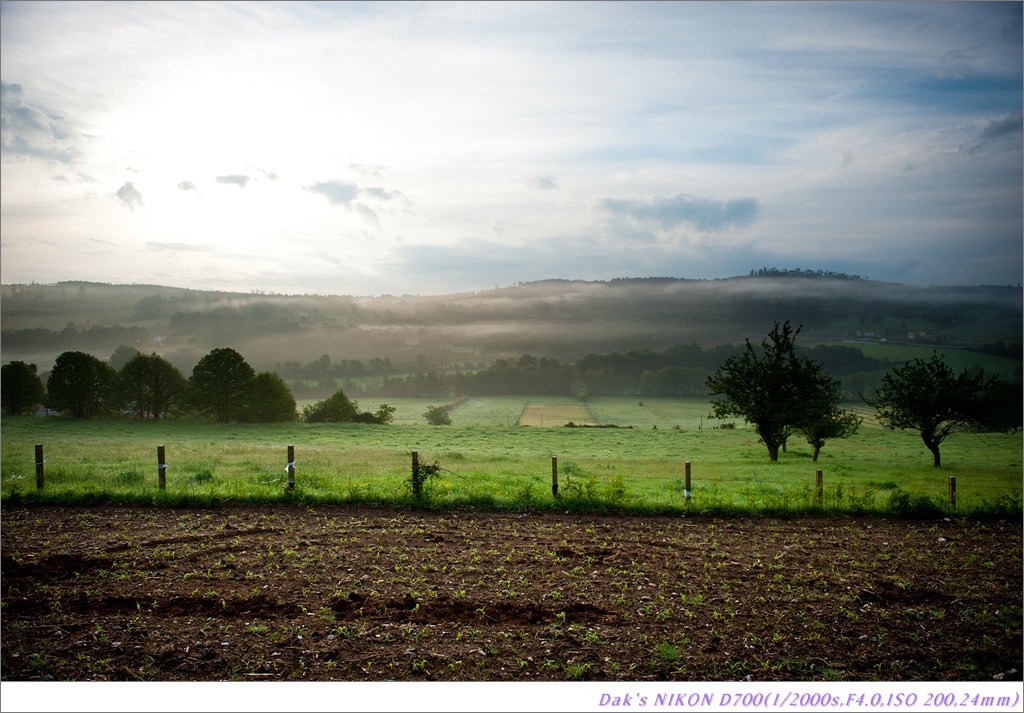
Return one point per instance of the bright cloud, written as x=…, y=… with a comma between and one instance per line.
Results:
x=337, y=192
x=704, y=214
x=29, y=131
x=233, y=179
x=379, y=147
x=129, y=195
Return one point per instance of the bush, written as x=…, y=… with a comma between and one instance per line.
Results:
x=438, y=416
x=339, y=408
x=420, y=475
x=904, y=505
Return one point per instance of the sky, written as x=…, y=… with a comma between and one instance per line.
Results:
x=369, y=148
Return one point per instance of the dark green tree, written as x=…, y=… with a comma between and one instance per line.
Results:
x=270, y=400
x=150, y=385
x=829, y=422
x=221, y=384
x=438, y=416
x=121, y=356
x=339, y=408
x=927, y=396
x=385, y=414
x=21, y=389
x=774, y=389
x=81, y=385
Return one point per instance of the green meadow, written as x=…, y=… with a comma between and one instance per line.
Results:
x=484, y=460
x=956, y=359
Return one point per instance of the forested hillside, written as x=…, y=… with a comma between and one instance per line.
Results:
x=557, y=321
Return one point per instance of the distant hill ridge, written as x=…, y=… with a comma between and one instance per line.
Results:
x=557, y=318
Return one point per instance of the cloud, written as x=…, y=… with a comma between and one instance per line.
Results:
x=477, y=263
x=76, y=176
x=27, y=130
x=1001, y=126
x=705, y=214
x=544, y=183
x=176, y=247
x=994, y=130
x=366, y=212
x=368, y=170
x=234, y=179
x=337, y=192
x=346, y=193
x=618, y=130
x=380, y=193
x=129, y=195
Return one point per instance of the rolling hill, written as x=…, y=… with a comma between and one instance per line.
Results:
x=559, y=319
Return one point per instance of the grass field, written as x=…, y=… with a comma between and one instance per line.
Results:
x=486, y=461
x=956, y=359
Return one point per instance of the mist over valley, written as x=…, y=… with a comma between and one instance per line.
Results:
x=559, y=321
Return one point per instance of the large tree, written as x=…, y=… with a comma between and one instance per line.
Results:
x=221, y=383
x=81, y=385
x=21, y=389
x=270, y=400
x=927, y=396
x=121, y=356
x=829, y=421
x=150, y=385
x=776, y=390
x=339, y=408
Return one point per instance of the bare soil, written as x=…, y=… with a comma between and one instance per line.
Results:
x=342, y=594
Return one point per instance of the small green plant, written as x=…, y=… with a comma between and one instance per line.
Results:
x=667, y=652
x=202, y=476
x=579, y=485
x=615, y=490
x=904, y=505
x=577, y=671
x=421, y=473
x=130, y=478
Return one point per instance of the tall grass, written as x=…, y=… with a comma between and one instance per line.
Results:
x=485, y=463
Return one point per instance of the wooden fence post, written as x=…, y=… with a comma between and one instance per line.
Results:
x=39, y=467
x=291, y=467
x=817, y=487
x=417, y=486
x=554, y=476
x=161, y=467
x=686, y=481
x=952, y=491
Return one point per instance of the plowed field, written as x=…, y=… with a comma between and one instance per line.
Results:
x=281, y=593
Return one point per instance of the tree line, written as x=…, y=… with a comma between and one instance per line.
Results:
x=782, y=393
x=797, y=272
x=680, y=370
x=776, y=388
x=222, y=387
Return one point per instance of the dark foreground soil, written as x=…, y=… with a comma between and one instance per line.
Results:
x=280, y=593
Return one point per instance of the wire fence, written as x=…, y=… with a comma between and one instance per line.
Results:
x=400, y=480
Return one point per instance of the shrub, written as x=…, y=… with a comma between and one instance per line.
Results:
x=904, y=505
x=339, y=408
x=438, y=416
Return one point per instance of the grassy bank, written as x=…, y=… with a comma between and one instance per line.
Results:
x=485, y=461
